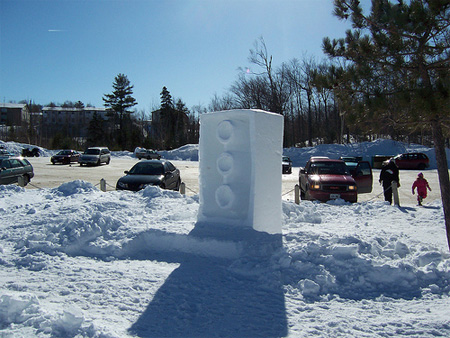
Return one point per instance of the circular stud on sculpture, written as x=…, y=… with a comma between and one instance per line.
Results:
x=224, y=196
x=224, y=131
x=225, y=163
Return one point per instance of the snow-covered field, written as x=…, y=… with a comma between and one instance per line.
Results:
x=78, y=262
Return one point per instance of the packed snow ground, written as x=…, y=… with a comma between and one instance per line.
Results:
x=78, y=262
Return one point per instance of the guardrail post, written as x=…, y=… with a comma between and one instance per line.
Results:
x=21, y=181
x=297, y=194
x=103, y=185
x=182, y=188
x=395, y=193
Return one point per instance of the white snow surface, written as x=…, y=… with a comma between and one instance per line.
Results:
x=78, y=262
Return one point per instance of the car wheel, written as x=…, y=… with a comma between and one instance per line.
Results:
x=26, y=180
x=99, y=162
x=109, y=160
x=177, y=187
x=302, y=194
x=307, y=195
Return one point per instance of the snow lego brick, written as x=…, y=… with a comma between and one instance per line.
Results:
x=240, y=154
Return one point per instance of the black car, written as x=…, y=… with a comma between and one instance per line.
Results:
x=14, y=167
x=65, y=156
x=150, y=172
x=26, y=152
x=286, y=165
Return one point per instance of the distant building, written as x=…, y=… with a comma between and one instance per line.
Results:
x=14, y=114
x=73, y=122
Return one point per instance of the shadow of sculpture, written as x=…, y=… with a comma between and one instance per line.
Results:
x=208, y=296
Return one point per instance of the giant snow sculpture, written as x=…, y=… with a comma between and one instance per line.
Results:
x=240, y=169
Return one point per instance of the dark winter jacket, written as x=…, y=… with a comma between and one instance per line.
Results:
x=389, y=173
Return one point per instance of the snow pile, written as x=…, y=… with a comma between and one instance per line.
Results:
x=16, y=148
x=80, y=262
x=188, y=152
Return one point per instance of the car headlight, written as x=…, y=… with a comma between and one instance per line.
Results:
x=352, y=187
x=122, y=185
x=315, y=185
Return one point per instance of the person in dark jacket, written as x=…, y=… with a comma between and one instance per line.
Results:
x=389, y=173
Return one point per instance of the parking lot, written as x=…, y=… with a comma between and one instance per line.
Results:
x=48, y=175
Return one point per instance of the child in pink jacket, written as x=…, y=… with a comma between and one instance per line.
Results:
x=421, y=184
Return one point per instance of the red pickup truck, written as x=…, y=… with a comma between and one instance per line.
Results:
x=325, y=179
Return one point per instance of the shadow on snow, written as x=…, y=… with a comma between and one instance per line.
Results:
x=205, y=296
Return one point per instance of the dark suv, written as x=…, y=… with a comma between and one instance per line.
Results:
x=326, y=179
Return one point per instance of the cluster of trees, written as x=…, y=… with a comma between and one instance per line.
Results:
x=171, y=125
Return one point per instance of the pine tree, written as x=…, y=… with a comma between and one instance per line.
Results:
x=400, y=57
x=120, y=102
x=166, y=100
x=96, y=130
x=170, y=122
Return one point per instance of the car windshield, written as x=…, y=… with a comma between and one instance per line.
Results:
x=64, y=152
x=330, y=168
x=148, y=168
x=92, y=152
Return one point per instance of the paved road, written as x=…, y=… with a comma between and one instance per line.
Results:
x=48, y=175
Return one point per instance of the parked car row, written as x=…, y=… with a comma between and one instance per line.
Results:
x=97, y=156
x=321, y=179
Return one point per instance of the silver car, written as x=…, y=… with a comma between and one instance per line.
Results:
x=148, y=154
x=95, y=156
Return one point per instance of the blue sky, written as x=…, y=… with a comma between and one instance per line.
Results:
x=58, y=50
